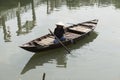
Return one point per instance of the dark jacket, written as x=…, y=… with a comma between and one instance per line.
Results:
x=59, y=32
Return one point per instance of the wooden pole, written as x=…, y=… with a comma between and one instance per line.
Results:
x=43, y=77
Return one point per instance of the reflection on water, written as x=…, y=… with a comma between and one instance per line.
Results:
x=72, y=4
x=46, y=57
x=52, y=4
x=22, y=29
x=59, y=56
x=6, y=31
x=29, y=25
x=61, y=62
x=10, y=11
x=116, y=3
x=7, y=4
x=85, y=41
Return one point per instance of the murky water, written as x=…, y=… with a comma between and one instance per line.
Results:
x=97, y=57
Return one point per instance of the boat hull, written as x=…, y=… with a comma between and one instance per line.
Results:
x=81, y=35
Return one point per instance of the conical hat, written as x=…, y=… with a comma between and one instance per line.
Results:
x=60, y=23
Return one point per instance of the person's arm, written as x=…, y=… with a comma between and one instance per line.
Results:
x=55, y=31
x=63, y=30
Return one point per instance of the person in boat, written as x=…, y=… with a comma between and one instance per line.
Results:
x=59, y=32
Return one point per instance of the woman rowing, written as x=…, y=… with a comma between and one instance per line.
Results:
x=59, y=32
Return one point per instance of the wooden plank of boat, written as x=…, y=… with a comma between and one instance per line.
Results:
x=43, y=41
x=73, y=32
x=70, y=35
x=80, y=28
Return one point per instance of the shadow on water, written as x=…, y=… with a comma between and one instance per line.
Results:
x=46, y=57
x=92, y=36
x=58, y=55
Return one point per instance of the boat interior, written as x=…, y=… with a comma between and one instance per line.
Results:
x=72, y=32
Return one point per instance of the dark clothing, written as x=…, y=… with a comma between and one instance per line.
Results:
x=59, y=32
x=61, y=39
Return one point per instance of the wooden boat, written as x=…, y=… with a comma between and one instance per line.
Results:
x=41, y=58
x=73, y=33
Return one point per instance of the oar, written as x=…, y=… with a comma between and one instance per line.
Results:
x=59, y=41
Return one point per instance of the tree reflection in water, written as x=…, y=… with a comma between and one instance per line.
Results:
x=55, y=4
x=22, y=29
x=6, y=30
x=29, y=25
x=52, y=5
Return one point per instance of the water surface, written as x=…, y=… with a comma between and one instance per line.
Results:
x=96, y=57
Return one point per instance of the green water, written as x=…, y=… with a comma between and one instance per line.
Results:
x=96, y=57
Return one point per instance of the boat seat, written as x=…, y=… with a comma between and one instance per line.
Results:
x=70, y=35
x=79, y=28
x=89, y=25
x=45, y=41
